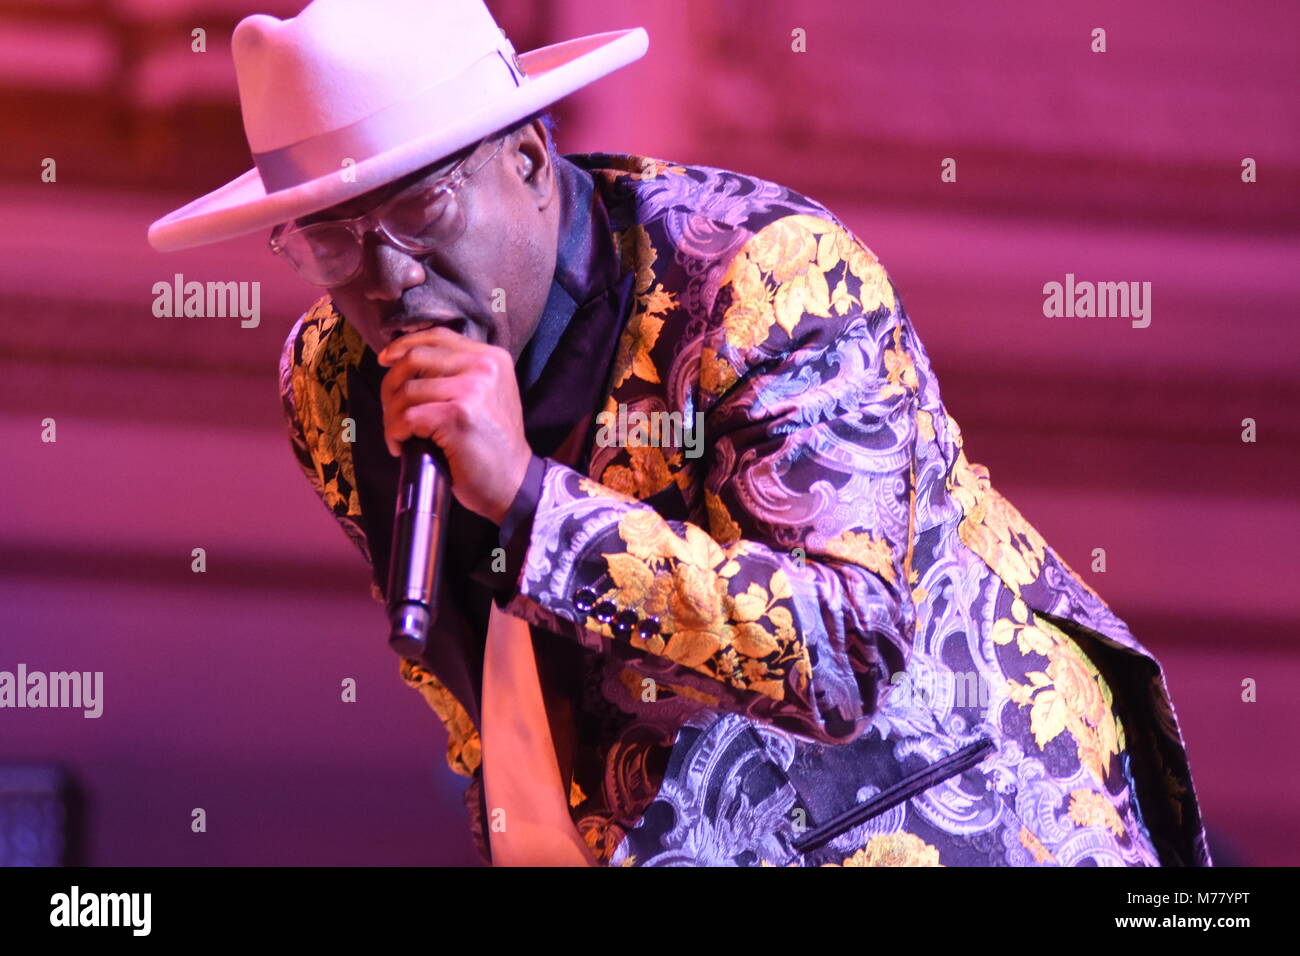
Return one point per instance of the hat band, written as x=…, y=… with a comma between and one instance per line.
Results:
x=392, y=126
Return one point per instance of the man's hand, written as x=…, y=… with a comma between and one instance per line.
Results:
x=463, y=395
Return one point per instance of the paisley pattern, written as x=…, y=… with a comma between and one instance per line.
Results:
x=864, y=655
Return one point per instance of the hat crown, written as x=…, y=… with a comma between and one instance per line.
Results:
x=352, y=94
x=340, y=61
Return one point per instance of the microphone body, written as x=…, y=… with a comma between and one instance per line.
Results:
x=419, y=534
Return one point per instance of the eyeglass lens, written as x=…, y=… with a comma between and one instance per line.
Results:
x=328, y=253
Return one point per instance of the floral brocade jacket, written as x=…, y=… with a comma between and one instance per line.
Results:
x=823, y=638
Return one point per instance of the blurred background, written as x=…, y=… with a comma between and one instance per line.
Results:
x=222, y=690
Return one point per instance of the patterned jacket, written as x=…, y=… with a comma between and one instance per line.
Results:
x=826, y=639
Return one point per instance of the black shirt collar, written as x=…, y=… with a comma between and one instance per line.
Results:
x=585, y=265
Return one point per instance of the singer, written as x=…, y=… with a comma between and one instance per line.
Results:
x=824, y=640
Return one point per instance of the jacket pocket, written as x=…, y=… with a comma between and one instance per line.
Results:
x=906, y=788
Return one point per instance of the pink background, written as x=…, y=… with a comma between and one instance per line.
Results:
x=222, y=690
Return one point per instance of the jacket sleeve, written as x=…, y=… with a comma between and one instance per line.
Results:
x=311, y=399
x=790, y=599
x=290, y=379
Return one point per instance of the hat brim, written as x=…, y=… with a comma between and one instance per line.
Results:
x=243, y=206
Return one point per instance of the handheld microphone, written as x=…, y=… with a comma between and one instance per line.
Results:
x=419, y=533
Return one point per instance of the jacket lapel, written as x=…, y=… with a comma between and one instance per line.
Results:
x=581, y=378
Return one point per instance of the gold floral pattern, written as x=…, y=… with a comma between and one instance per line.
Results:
x=1035, y=846
x=995, y=530
x=1070, y=695
x=652, y=304
x=576, y=796
x=602, y=836
x=721, y=524
x=595, y=489
x=647, y=167
x=801, y=255
x=638, y=255
x=1088, y=808
x=716, y=373
x=648, y=473
x=319, y=391
x=862, y=547
x=992, y=527
x=894, y=849
x=744, y=638
x=634, y=347
x=464, y=747
x=902, y=370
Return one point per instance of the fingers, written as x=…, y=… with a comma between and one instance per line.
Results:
x=422, y=364
x=463, y=396
x=430, y=409
x=436, y=353
x=406, y=389
x=443, y=339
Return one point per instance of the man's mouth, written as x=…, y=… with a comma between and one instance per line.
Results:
x=455, y=323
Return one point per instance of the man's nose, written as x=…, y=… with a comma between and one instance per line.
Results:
x=389, y=272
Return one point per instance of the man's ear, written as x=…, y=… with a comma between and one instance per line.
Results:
x=532, y=159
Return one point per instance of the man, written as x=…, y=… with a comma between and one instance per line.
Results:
x=776, y=617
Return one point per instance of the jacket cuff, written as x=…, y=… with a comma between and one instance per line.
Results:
x=516, y=530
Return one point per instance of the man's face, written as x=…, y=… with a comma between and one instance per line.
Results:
x=492, y=282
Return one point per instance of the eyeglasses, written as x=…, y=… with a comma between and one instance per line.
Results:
x=330, y=253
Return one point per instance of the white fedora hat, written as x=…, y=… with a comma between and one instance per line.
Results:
x=352, y=94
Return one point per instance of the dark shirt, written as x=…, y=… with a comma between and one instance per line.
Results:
x=577, y=335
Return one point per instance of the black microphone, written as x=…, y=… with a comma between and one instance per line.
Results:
x=419, y=533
